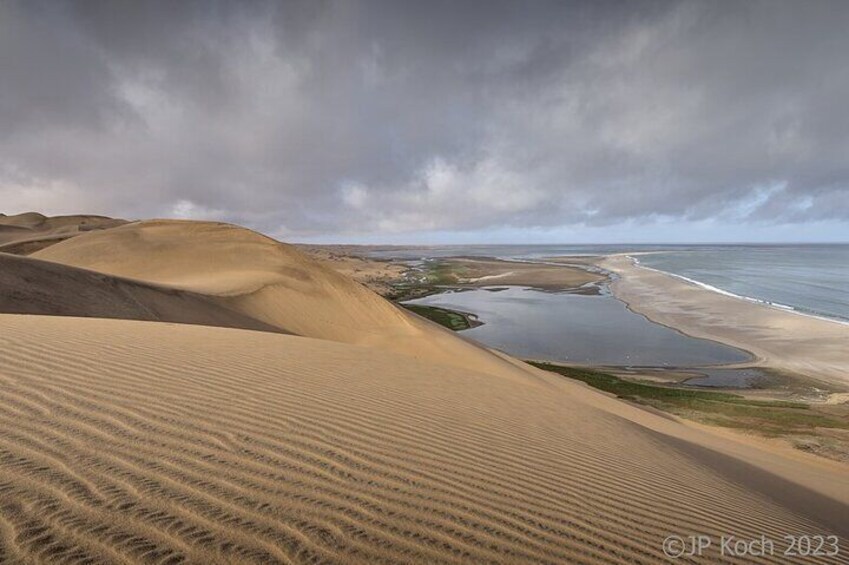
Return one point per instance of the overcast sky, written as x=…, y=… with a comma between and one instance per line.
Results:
x=428, y=121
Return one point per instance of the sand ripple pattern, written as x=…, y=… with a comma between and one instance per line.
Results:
x=138, y=442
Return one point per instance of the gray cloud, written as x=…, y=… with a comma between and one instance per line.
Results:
x=352, y=117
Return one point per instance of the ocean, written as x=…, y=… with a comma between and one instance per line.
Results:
x=810, y=279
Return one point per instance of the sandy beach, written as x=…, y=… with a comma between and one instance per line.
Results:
x=782, y=340
x=321, y=423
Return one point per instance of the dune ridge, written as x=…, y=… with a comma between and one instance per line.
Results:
x=26, y=233
x=269, y=281
x=131, y=441
x=32, y=286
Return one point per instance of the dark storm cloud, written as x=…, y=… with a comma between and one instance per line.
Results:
x=343, y=117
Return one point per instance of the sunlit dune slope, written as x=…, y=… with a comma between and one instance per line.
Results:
x=130, y=441
x=266, y=280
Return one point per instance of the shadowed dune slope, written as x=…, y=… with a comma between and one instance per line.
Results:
x=32, y=286
x=23, y=234
x=269, y=281
x=129, y=441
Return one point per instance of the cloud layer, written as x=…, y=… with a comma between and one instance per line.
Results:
x=392, y=117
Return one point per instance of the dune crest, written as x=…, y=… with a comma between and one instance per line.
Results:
x=269, y=281
x=34, y=286
x=26, y=233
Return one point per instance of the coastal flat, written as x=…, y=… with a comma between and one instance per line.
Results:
x=127, y=441
x=786, y=341
x=480, y=272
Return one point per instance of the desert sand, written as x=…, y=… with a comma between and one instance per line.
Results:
x=139, y=441
x=803, y=345
x=33, y=286
x=26, y=233
x=371, y=436
x=353, y=261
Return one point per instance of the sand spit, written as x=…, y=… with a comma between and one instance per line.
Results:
x=803, y=345
x=128, y=441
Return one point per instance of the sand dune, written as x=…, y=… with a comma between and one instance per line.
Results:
x=376, y=274
x=26, y=233
x=32, y=286
x=33, y=221
x=142, y=442
x=264, y=279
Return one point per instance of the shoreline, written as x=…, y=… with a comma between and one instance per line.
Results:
x=784, y=340
x=752, y=299
x=780, y=339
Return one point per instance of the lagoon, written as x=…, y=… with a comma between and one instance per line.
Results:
x=578, y=329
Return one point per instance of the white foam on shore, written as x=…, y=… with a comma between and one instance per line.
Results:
x=762, y=302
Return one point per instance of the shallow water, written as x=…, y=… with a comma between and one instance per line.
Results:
x=727, y=378
x=597, y=330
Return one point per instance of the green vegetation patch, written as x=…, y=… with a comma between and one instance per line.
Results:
x=718, y=408
x=432, y=277
x=442, y=273
x=449, y=318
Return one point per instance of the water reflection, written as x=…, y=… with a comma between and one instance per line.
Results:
x=575, y=328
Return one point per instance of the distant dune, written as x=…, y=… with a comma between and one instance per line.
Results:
x=370, y=436
x=23, y=234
